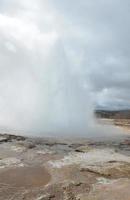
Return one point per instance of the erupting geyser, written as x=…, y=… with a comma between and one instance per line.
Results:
x=64, y=100
x=44, y=93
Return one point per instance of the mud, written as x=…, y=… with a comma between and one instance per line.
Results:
x=25, y=177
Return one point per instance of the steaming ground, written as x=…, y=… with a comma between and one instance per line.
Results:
x=99, y=131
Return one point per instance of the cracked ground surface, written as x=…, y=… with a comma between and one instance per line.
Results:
x=80, y=169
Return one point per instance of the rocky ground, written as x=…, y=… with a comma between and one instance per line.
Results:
x=119, y=118
x=124, y=123
x=54, y=169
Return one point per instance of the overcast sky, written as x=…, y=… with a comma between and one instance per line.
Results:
x=91, y=39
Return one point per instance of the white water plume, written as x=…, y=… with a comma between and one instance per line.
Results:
x=41, y=88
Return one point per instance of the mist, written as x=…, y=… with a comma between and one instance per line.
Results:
x=43, y=92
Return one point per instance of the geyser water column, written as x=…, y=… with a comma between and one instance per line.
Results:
x=64, y=103
x=41, y=91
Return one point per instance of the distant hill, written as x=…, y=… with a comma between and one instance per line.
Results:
x=120, y=114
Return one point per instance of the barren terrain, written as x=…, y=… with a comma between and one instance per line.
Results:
x=117, y=118
x=56, y=169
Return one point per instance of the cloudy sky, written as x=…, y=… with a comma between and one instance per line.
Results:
x=80, y=43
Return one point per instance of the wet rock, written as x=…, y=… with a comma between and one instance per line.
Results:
x=75, y=145
x=83, y=149
x=8, y=138
x=125, y=143
x=113, y=170
x=52, y=196
x=48, y=142
x=27, y=144
x=3, y=139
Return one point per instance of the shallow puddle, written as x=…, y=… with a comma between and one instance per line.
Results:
x=25, y=177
